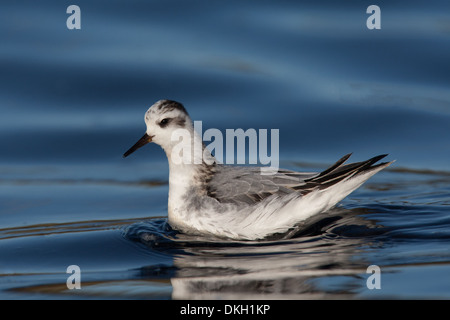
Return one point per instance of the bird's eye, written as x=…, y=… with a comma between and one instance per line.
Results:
x=164, y=122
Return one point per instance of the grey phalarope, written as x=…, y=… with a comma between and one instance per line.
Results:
x=237, y=202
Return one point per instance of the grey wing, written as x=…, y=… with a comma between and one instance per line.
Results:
x=246, y=185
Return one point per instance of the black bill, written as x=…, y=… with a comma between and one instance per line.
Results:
x=142, y=142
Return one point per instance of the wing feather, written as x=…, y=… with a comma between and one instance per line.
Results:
x=246, y=185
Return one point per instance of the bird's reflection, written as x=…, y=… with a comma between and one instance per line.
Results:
x=284, y=267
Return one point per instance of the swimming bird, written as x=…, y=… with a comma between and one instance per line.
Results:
x=239, y=202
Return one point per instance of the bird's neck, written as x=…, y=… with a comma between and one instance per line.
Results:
x=190, y=163
x=186, y=152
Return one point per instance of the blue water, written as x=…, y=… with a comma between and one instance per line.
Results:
x=72, y=101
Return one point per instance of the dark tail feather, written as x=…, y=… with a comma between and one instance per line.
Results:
x=345, y=171
x=334, y=166
x=338, y=172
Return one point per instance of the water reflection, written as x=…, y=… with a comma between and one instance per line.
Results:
x=328, y=245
